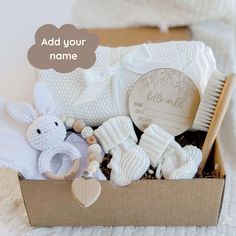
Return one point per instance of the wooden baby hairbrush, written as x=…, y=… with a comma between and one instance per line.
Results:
x=217, y=118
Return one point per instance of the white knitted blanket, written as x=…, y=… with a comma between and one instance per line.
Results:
x=212, y=22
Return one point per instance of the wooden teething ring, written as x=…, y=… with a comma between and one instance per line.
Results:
x=68, y=175
x=46, y=156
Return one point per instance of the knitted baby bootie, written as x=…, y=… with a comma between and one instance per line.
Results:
x=171, y=160
x=129, y=161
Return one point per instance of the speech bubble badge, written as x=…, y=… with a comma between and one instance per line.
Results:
x=63, y=49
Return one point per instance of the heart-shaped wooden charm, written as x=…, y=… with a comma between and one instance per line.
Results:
x=86, y=191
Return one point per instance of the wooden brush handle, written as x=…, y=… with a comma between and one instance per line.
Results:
x=217, y=119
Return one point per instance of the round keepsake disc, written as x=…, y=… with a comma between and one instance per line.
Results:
x=165, y=97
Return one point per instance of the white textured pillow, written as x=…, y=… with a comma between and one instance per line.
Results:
x=102, y=91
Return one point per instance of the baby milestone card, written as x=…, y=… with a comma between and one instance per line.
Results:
x=166, y=97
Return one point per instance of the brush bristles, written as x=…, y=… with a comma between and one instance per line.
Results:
x=209, y=101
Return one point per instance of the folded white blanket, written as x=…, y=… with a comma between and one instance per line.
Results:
x=102, y=91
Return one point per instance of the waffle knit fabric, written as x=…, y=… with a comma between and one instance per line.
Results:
x=155, y=141
x=129, y=161
x=179, y=166
x=172, y=161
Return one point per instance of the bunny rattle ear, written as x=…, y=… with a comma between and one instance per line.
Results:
x=44, y=102
x=21, y=112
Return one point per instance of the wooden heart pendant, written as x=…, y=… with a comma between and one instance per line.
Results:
x=85, y=191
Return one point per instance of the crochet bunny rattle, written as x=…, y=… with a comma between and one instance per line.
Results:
x=46, y=132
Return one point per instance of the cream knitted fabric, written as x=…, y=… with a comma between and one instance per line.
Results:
x=129, y=161
x=154, y=141
x=181, y=165
x=114, y=132
x=46, y=132
x=22, y=112
x=102, y=91
x=172, y=161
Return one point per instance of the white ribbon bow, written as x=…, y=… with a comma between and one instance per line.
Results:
x=98, y=78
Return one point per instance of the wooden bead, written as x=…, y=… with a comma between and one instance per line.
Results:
x=92, y=169
x=91, y=140
x=69, y=122
x=93, y=166
x=95, y=156
x=94, y=163
x=86, y=132
x=94, y=148
x=78, y=126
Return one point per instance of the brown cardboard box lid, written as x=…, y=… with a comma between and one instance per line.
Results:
x=132, y=36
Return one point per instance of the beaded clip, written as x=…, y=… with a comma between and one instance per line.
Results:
x=86, y=189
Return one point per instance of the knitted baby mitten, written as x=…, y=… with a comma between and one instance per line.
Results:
x=129, y=161
x=172, y=161
x=181, y=165
x=154, y=141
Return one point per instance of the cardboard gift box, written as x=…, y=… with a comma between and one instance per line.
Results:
x=196, y=201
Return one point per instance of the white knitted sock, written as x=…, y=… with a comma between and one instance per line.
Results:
x=129, y=161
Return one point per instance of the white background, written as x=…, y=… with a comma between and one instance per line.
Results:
x=19, y=21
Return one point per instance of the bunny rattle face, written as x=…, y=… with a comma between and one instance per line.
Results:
x=46, y=132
